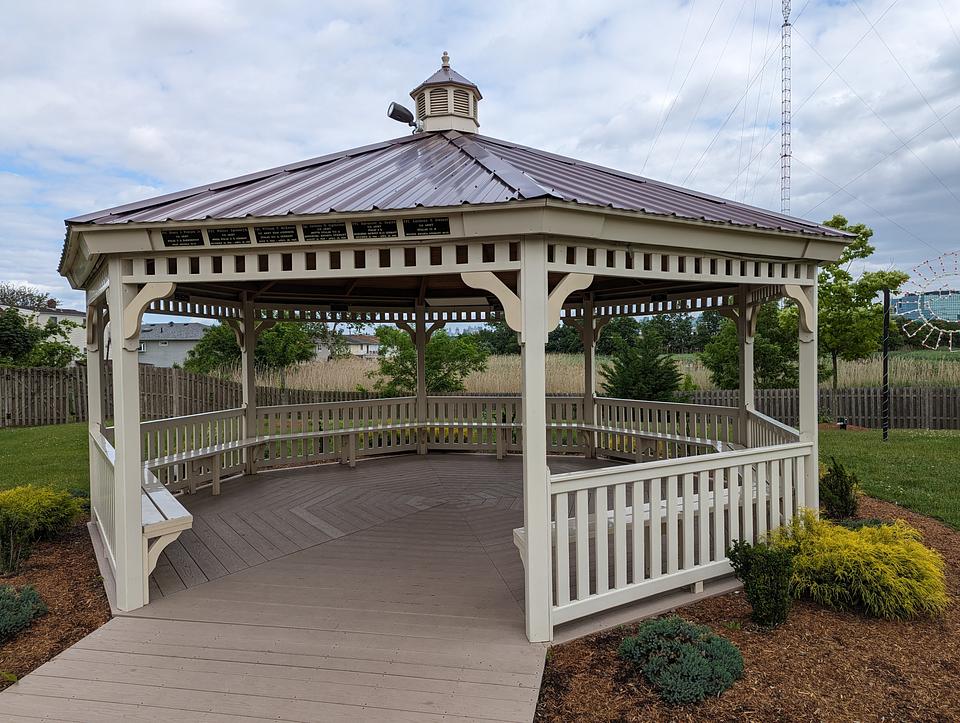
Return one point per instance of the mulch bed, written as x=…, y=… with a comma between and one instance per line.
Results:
x=65, y=574
x=821, y=665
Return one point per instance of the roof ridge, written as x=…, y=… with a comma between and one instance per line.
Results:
x=511, y=176
x=239, y=180
x=703, y=195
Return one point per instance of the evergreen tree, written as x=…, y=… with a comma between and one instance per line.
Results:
x=642, y=371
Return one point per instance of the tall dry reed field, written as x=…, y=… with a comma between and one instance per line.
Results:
x=565, y=374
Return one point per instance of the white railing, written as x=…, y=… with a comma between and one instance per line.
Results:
x=102, y=492
x=164, y=437
x=709, y=424
x=626, y=430
x=766, y=431
x=387, y=424
x=624, y=533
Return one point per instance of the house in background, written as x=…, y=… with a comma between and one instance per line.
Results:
x=365, y=346
x=77, y=336
x=167, y=344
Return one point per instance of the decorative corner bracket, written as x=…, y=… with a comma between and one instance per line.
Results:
x=488, y=281
x=133, y=312
x=808, y=314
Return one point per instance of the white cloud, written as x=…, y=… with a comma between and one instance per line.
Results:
x=106, y=102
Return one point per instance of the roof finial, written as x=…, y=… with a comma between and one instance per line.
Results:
x=445, y=59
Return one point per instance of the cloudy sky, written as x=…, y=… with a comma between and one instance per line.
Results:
x=107, y=102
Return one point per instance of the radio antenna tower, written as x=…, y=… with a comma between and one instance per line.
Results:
x=785, y=142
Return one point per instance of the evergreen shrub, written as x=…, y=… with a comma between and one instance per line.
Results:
x=28, y=514
x=684, y=662
x=884, y=571
x=765, y=572
x=18, y=608
x=838, y=492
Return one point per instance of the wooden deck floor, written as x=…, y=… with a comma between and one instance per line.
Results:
x=388, y=592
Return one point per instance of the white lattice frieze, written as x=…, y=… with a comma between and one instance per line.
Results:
x=206, y=264
x=609, y=260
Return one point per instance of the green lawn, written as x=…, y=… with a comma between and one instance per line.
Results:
x=54, y=455
x=915, y=468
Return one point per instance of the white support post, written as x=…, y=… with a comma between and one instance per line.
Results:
x=588, y=337
x=248, y=380
x=95, y=388
x=809, y=388
x=420, y=342
x=128, y=469
x=536, y=475
x=746, y=332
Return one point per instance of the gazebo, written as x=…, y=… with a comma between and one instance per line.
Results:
x=449, y=226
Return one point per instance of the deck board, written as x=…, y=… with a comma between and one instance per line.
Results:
x=387, y=592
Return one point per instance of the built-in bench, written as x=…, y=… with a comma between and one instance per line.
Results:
x=163, y=519
x=213, y=454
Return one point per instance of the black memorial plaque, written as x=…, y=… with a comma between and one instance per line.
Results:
x=231, y=236
x=434, y=226
x=182, y=237
x=375, y=229
x=332, y=231
x=276, y=234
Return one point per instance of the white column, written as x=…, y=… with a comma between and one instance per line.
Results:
x=128, y=468
x=420, y=342
x=536, y=492
x=248, y=379
x=95, y=368
x=745, y=335
x=809, y=392
x=588, y=337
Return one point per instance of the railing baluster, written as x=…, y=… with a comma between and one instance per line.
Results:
x=689, y=557
x=620, y=534
x=656, y=528
x=561, y=523
x=672, y=523
x=601, y=540
x=583, y=544
x=639, y=531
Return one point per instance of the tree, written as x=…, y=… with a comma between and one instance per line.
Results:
x=497, y=338
x=775, y=352
x=642, y=371
x=277, y=348
x=706, y=329
x=620, y=331
x=24, y=296
x=25, y=343
x=565, y=339
x=449, y=360
x=674, y=330
x=850, y=315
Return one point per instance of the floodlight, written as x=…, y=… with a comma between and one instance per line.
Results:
x=400, y=113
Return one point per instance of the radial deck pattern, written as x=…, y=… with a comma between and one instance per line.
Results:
x=388, y=592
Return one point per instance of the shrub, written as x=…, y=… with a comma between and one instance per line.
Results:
x=838, y=491
x=884, y=571
x=50, y=512
x=765, y=572
x=18, y=608
x=684, y=662
x=28, y=514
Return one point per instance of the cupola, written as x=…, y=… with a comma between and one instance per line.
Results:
x=447, y=101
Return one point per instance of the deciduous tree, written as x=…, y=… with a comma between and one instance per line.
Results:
x=449, y=360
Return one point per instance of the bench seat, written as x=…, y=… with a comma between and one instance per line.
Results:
x=163, y=518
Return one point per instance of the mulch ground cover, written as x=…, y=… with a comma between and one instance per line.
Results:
x=65, y=574
x=820, y=666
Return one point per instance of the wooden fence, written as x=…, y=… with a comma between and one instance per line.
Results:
x=910, y=407
x=33, y=397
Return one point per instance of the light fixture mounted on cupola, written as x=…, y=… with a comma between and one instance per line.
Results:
x=445, y=101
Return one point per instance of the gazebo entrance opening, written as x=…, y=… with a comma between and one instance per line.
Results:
x=447, y=226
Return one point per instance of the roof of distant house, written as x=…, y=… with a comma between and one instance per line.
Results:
x=52, y=310
x=172, y=331
x=362, y=339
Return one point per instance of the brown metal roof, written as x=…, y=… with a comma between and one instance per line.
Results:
x=447, y=76
x=440, y=170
